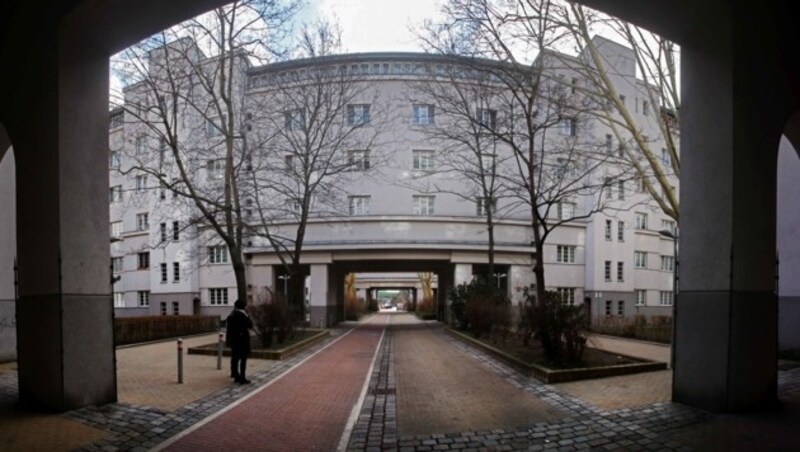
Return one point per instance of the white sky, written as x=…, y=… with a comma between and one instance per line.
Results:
x=376, y=25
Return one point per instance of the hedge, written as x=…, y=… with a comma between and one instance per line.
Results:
x=130, y=330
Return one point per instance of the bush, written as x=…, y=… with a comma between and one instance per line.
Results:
x=353, y=308
x=273, y=317
x=130, y=330
x=481, y=307
x=657, y=328
x=559, y=328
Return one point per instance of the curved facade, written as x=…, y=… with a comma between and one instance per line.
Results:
x=396, y=192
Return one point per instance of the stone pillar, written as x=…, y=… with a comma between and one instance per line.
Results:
x=8, y=252
x=64, y=313
x=726, y=311
x=319, y=295
x=788, y=237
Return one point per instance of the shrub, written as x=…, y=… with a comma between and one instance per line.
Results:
x=273, y=317
x=130, y=330
x=481, y=307
x=353, y=308
x=560, y=328
x=655, y=328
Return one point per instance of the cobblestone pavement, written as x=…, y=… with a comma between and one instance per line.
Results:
x=624, y=391
x=584, y=427
x=588, y=424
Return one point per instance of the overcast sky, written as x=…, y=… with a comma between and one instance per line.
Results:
x=375, y=25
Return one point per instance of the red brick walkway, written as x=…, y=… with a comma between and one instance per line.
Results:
x=306, y=409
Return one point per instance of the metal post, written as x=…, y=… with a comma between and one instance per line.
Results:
x=180, y=360
x=219, y=350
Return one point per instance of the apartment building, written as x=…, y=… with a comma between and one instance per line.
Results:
x=394, y=197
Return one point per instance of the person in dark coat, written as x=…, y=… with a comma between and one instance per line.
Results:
x=238, y=339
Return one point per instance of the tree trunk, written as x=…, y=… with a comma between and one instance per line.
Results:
x=239, y=272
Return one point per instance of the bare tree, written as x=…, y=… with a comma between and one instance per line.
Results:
x=553, y=171
x=186, y=113
x=465, y=137
x=656, y=59
x=322, y=135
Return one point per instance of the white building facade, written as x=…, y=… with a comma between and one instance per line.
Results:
x=397, y=208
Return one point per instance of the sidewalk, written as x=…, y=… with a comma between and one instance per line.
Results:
x=634, y=348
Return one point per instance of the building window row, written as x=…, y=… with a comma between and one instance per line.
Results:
x=609, y=308
x=620, y=271
x=217, y=254
x=567, y=295
x=218, y=296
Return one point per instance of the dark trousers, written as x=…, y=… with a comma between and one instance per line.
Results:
x=238, y=363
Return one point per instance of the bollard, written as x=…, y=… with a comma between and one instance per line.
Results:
x=180, y=360
x=219, y=350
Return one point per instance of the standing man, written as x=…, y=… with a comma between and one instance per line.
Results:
x=238, y=339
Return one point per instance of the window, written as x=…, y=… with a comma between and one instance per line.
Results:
x=176, y=272
x=641, y=297
x=216, y=169
x=144, y=298
x=163, y=229
x=641, y=221
x=359, y=205
x=483, y=205
x=294, y=119
x=639, y=259
x=423, y=205
x=608, y=187
x=423, y=114
x=565, y=168
x=358, y=115
x=487, y=163
x=162, y=149
x=607, y=271
x=668, y=263
x=217, y=254
x=422, y=160
x=116, y=193
x=608, y=230
x=621, y=150
x=645, y=107
x=113, y=161
x=139, y=145
x=119, y=300
x=176, y=308
x=622, y=98
x=288, y=162
x=163, y=308
x=573, y=85
x=620, y=231
x=640, y=184
x=665, y=160
x=486, y=117
x=565, y=254
x=218, y=296
x=609, y=144
x=621, y=190
x=566, y=210
x=174, y=187
x=668, y=225
x=665, y=298
x=176, y=230
x=143, y=260
x=142, y=221
x=163, y=272
x=620, y=308
x=620, y=271
x=116, y=264
x=214, y=129
x=358, y=160
x=162, y=191
x=116, y=228
x=295, y=205
x=567, y=295
x=608, y=307
x=568, y=127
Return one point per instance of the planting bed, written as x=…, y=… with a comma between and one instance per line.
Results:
x=302, y=340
